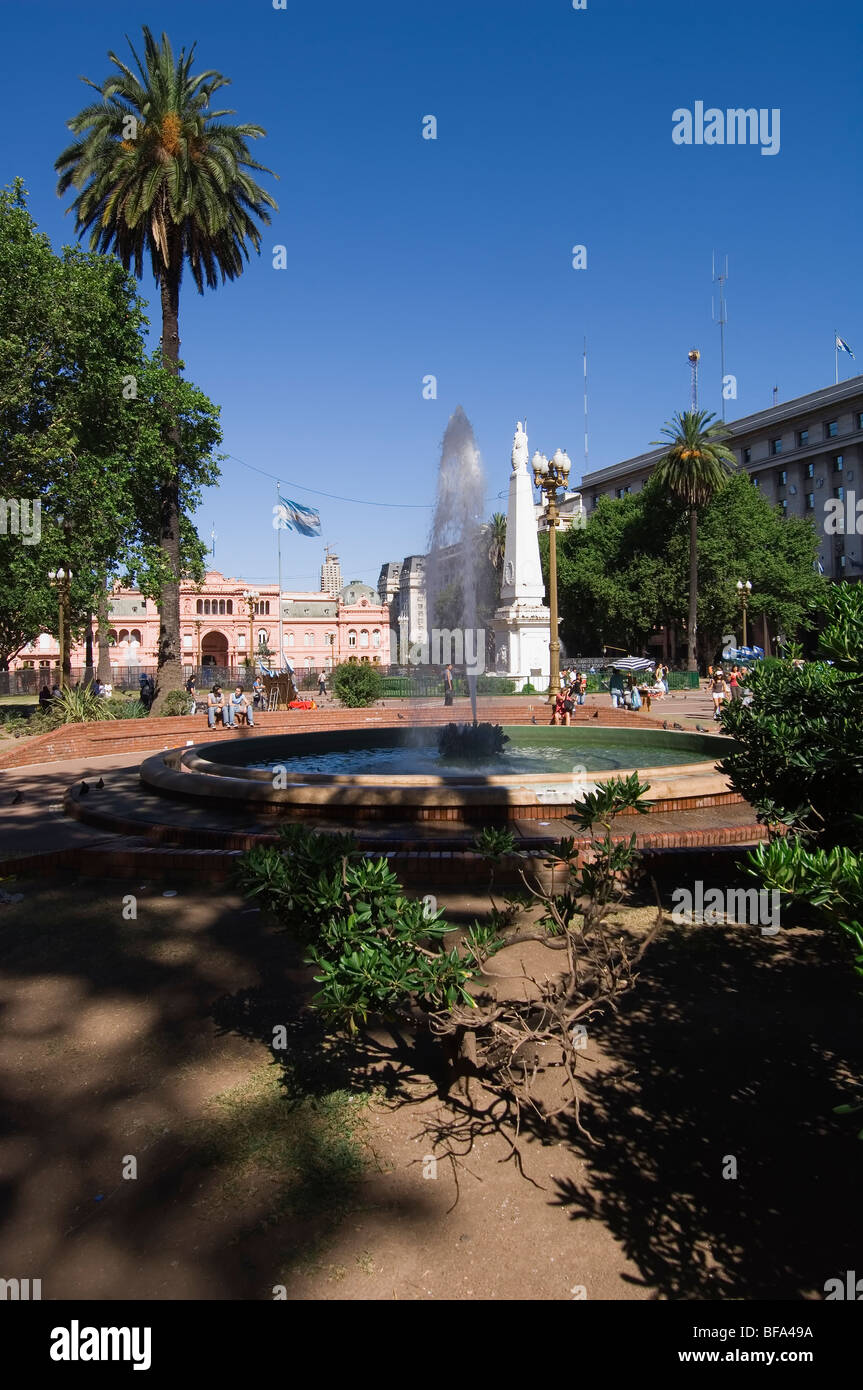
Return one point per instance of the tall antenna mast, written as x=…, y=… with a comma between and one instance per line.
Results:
x=585, y=406
x=720, y=280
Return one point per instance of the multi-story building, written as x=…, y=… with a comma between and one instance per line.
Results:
x=226, y=619
x=801, y=454
x=331, y=573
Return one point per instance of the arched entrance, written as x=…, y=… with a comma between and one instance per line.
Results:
x=214, y=649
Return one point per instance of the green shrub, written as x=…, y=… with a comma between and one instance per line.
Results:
x=357, y=683
x=177, y=702
x=494, y=685
x=124, y=707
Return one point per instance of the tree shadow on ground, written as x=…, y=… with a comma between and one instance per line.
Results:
x=728, y=1058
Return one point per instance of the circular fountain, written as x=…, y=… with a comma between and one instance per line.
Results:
x=399, y=775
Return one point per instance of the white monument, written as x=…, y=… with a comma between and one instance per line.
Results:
x=522, y=622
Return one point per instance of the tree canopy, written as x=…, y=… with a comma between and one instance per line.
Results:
x=625, y=573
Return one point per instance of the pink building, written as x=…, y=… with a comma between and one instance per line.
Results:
x=225, y=620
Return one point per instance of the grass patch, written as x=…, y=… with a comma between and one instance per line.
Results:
x=309, y=1153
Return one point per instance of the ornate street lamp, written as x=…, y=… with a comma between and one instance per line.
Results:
x=251, y=596
x=549, y=476
x=743, y=592
x=61, y=580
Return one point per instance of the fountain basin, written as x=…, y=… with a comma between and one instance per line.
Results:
x=362, y=775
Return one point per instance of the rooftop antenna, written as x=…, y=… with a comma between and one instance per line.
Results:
x=694, y=358
x=775, y=394
x=722, y=319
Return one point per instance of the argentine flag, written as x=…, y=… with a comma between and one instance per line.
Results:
x=842, y=346
x=292, y=516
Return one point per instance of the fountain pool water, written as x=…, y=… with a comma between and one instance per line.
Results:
x=396, y=774
x=532, y=751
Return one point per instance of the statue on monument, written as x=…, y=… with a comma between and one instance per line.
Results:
x=519, y=450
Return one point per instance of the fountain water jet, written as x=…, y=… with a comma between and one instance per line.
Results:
x=458, y=518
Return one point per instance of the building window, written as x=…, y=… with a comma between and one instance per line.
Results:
x=842, y=562
x=199, y=607
x=838, y=462
x=308, y=639
x=839, y=493
x=263, y=637
x=782, y=477
x=747, y=456
x=289, y=640
x=330, y=639
x=352, y=638
x=187, y=642
x=756, y=481
x=831, y=429
x=860, y=419
x=364, y=637
x=810, y=501
x=776, y=446
x=376, y=637
x=206, y=605
x=135, y=636
x=310, y=665
x=802, y=438
x=229, y=606
x=241, y=641
x=810, y=470
x=784, y=506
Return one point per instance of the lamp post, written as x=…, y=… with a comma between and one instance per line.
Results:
x=743, y=592
x=549, y=476
x=61, y=580
x=251, y=596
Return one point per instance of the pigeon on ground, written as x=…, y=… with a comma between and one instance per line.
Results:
x=701, y=729
x=83, y=789
x=16, y=797
x=100, y=784
x=678, y=726
x=596, y=715
x=533, y=719
x=400, y=716
x=665, y=723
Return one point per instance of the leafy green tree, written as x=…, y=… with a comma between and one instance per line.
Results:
x=159, y=174
x=90, y=426
x=624, y=574
x=694, y=467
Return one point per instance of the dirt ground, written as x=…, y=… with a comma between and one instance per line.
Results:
x=157, y=1141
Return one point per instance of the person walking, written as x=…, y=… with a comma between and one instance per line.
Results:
x=615, y=688
x=734, y=682
x=720, y=691
x=258, y=693
x=322, y=685
x=582, y=688
x=448, y=686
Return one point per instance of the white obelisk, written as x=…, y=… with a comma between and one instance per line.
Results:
x=522, y=622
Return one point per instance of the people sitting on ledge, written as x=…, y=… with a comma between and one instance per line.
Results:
x=241, y=708
x=218, y=705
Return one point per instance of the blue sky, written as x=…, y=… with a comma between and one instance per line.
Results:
x=408, y=257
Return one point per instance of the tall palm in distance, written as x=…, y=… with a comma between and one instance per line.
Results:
x=158, y=173
x=695, y=466
x=495, y=536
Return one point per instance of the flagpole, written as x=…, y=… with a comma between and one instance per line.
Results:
x=281, y=619
x=836, y=357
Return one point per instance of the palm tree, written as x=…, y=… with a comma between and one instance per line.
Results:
x=495, y=534
x=157, y=172
x=695, y=466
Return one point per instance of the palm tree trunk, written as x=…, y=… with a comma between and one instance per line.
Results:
x=169, y=672
x=692, y=634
